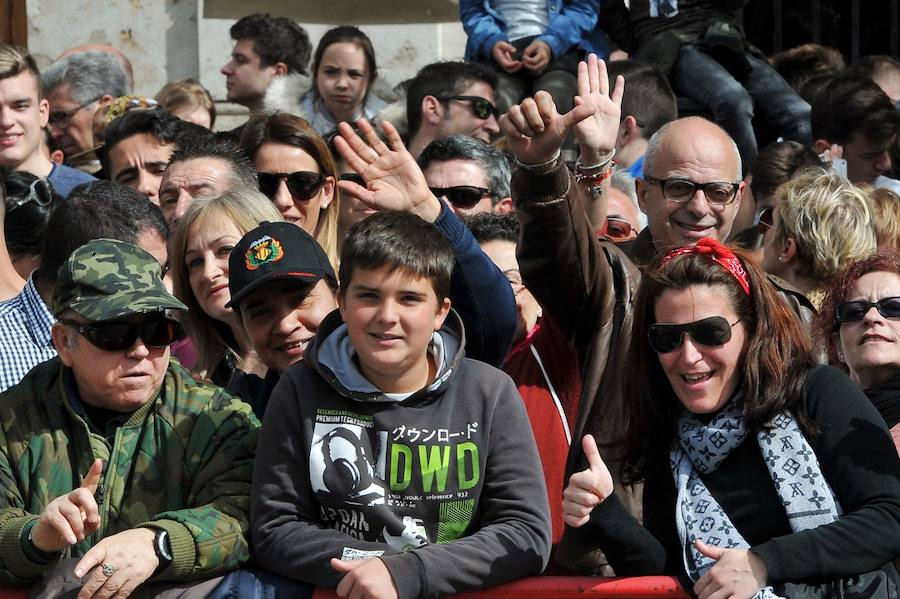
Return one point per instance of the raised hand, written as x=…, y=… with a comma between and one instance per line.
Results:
x=116, y=565
x=588, y=488
x=738, y=573
x=596, y=134
x=502, y=53
x=364, y=579
x=68, y=519
x=394, y=179
x=534, y=129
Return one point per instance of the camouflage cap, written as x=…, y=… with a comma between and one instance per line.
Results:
x=106, y=279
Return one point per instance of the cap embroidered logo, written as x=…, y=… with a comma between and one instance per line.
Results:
x=263, y=251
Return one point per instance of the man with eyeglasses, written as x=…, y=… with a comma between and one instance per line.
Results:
x=24, y=113
x=447, y=98
x=469, y=176
x=691, y=190
x=121, y=471
x=76, y=87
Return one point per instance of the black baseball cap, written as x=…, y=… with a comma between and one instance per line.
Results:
x=275, y=251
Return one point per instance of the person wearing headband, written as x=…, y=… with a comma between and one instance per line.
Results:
x=753, y=458
x=691, y=189
x=120, y=470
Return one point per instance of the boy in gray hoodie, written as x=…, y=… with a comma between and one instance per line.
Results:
x=389, y=464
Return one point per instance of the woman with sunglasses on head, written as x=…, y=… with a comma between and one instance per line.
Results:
x=860, y=325
x=297, y=173
x=764, y=475
x=199, y=252
x=820, y=222
x=343, y=73
x=29, y=201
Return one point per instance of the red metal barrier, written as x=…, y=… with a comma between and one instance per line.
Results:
x=571, y=587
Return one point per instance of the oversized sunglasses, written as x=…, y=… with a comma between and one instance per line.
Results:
x=462, y=196
x=302, y=185
x=481, y=107
x=765, y=220
x=711, y=332
x=717, y=193
x=38, y=192
x=888, y=307
x=117, y=336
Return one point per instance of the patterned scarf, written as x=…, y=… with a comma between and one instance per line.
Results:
x=700, y=448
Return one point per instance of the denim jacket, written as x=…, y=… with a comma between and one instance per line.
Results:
x=572, y=23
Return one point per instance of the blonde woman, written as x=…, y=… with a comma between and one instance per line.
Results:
x=207, y=232
x=298, y=173
x=189, y=101
x=819, y=223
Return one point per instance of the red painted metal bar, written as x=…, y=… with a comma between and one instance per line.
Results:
x=570, y=587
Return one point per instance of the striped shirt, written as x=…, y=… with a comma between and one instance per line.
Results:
x=25, y=342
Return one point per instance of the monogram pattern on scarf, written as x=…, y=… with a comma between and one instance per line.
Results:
x=700, y=448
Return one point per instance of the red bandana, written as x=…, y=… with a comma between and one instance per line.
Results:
x=719, y=254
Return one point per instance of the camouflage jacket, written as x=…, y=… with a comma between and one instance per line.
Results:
x=181, y=462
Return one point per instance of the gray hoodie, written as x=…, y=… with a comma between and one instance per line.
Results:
x=444, y=485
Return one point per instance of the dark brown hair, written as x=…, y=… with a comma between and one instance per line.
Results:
x=347, y=34
x=774, y=363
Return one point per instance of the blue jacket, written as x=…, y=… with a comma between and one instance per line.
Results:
x=572, y=23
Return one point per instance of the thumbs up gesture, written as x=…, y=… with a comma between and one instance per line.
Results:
x=588, y=488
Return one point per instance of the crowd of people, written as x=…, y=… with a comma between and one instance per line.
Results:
x=529, y=312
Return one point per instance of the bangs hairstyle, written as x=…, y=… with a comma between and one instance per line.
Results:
x=291, y=130
x=775, y=359
x=825, y=323
x=829, y=218
x=246, y=209
x=399, y=241
x=350, y=35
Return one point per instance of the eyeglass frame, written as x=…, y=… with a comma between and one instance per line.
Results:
x=839, y=320
x=494, y=111
x=68, y=114
x=696, y=186
x=441, y=192
x=86, y=330
x=33, y=195
x=616, y=219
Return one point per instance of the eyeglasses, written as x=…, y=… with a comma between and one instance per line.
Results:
x=39, y=192
x=61, y=118
x=682, y=190
x=618, y=229
x=481, y=107
x=302, y=185
x=116, y=336
x=712, y=331
x=765, y=220
x=462, y=196
x=855, y=311
x=355, y=178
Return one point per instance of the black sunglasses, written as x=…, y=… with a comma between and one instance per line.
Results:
x=302, y=185
x=355, y=178
x=481, y=107
x=116, y=336
x=765, y=220
x=462, y=196
x=712, y=331
x=38, y=192
x=855, y=311
x=719, y=193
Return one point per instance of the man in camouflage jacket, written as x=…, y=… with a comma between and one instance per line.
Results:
x=166, y=460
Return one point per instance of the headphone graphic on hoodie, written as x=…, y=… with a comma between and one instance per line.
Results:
x=345, y=475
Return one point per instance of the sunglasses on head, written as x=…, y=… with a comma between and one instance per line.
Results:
x=855, y=311
x=711, y=332
x=481, y=107
x=302, y=185
x=117, y=336
x=462, y=196
x=38, y=192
